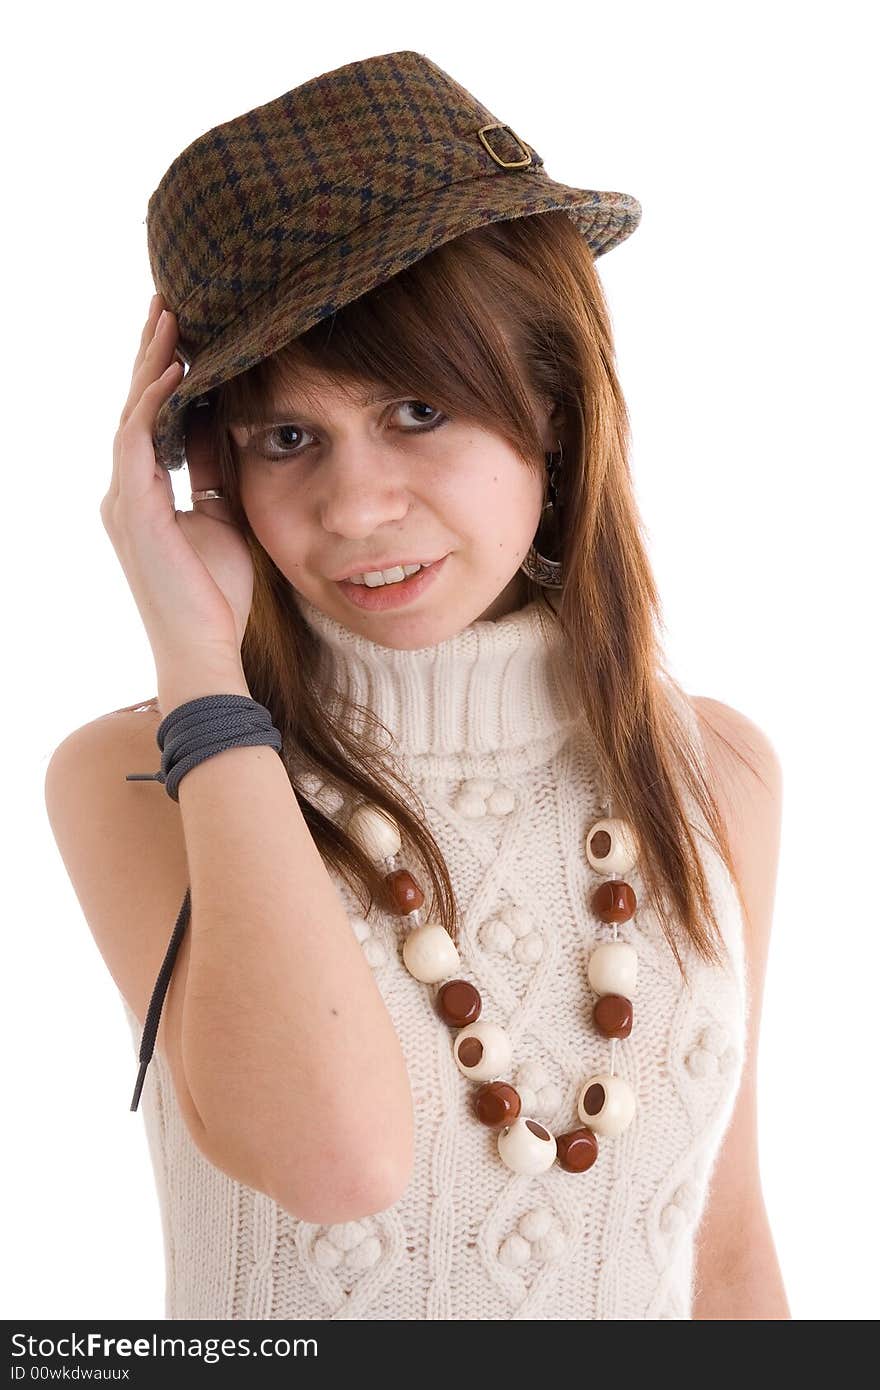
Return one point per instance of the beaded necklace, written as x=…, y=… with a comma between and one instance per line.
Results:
x=482, y=1050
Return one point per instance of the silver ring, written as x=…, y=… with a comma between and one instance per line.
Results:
x=208, y=494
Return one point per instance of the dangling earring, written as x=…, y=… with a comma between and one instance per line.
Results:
x=538, y=564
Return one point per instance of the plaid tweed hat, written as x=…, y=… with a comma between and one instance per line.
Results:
x=271, y=221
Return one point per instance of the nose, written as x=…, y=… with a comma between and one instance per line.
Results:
x=364, y=487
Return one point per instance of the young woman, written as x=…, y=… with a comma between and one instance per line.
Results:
x=472, y=901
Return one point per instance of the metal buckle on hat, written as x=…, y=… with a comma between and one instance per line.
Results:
x=506, y=164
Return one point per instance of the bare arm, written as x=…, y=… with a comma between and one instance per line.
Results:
x=738, y=1276
x=288, y=1068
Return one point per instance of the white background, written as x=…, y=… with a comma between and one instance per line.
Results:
x=745, y=309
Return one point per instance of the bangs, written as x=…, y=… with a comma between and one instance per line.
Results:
x=438, y=331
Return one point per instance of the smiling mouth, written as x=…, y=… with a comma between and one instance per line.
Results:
x=374, y=579
x=384, y=594
x=400, y=569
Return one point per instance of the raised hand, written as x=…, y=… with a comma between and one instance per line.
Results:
x=190, y=572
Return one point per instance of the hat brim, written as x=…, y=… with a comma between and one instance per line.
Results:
x=368, y=256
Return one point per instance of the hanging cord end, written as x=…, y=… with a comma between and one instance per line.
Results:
x=154, y=1012
x=139, y=1084
x=188, y=735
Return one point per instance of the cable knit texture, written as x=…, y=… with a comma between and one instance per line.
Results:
x=485, y=728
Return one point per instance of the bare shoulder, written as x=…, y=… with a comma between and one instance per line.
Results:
x=741, y=759
x=745, y=775
x=88, y=770
x=119, y=729
x=126, y=732
x=123, y=847
x=121, y=842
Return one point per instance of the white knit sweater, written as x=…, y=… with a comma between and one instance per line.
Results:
x=483, y=726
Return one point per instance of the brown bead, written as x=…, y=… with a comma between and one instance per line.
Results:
x=577, y=1151
x=459, y=1003
x=614, y=901
x=404, y=894
x=497, y=1104
x=613, y=1016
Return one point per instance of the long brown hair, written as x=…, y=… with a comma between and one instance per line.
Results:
x=481, y=327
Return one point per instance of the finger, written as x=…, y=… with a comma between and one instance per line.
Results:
x=134, y=458
x=157, y=304
x=160, y=351
x=149, y=366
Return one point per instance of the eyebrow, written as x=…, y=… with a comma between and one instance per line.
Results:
x=282, y=414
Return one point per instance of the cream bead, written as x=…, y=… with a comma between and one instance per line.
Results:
x=375, y=832
x=430, y=954
x=611, y=846
x=606, y=1104
x=527, y=1147
x=482, y=1051
x=612, y=968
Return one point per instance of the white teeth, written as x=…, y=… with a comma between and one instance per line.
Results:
x=374, y=578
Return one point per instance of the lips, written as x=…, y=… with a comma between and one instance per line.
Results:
x=387, y=596
x=374, y=567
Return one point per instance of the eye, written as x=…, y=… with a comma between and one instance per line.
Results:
x=422, y=405
x=282, y=433
x=277, y=443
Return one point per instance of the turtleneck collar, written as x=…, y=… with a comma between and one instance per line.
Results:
x=494, y=688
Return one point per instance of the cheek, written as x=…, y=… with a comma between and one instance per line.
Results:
x=506, y=505
x=491, y=488
x=273, y=519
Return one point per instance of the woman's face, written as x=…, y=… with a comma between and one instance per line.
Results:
x=335, y=484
